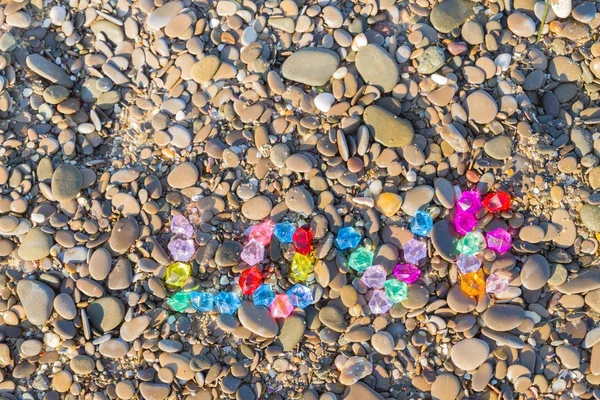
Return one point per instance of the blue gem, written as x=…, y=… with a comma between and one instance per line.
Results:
x=202, y=301
x=347, y=238
x=284, y=231
x=263, y=296
x=227, y=302
x=300, y=296
x=421, y=223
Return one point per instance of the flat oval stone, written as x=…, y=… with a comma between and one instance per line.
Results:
x=333, y=318
x=590, y=216
x=499, y=147
x=35, y=245
x=291, y=332
x=377, y=67
x=160, y=17
x=417, y=197
x=535, y=272
x=586, y=281
x=257, y=208
x=82, y=364
x=443, y=237
x=125, y=232
x=503, y=317
x=482, y=107
x=100, y=264
x=183, y=176
x=299, y=199
x=48, y=70
x=445, y=387
x=449, y=14
x=66, y=182
x=132, y=329
x=65, y=306
x=154, y=391
x=258, y=320
x=106, y=313
x=113, y=348
x=311, y=66
x=468, y=354
x=177, y=363
x=37, y=300
x=459, y=301
x=388, y=129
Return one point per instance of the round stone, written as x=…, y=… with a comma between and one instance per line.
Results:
x=468, y=354
x=65, y=306
x=82, y=365
x=377, y=67
x=35, y=245
x=503, y=317
x=257, y=208
x=183, y=176
x=445, y=387
x=299, y=199
x=520, y=24
x=482, y=107
x=311, y=66
x=66, y=182
x=535, y=272
x=388, y=129
x=590, y=216
x=257, y=319
x=291, y=332
x=37, y=300
x=106, y=313
x=333, y=318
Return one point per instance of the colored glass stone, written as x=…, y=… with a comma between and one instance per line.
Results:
x=388, y=203
x=177, y=273
x=347, y=238
x=499, y=240
x=253, y=252
x=301, y=239
x=374, y=277
x=396, y=290
x=300, y=296
x=179, y=301
x=301, y=267
x=468, y=264
x=407, y=273
x=464, y=222
x=496, y=283
x=471, y=243
x=263, y=296
x=473, y=284
x=250, y=280
x=227, y=302
x=281, y=307
x=360, y=259
x=202, y=301
x=496, y=202
x=284, y=231
x=469, y=202
x=379, y=302
x=181, y=249
x=421, y=223
x=181, y=226
x=262, y=232
x=414, y=251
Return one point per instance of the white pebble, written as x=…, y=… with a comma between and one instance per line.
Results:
x=503, y=61
x=360, y=41
x=562, y=8
x=27, y=92
x=51, y=339
x=439, y=79
x=58, y=15
x=375, y=187
x=340, y=73
x=249, y=35
x=411, y=176
x=324, y=101
x=403, y=54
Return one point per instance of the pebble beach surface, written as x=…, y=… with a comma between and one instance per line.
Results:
x=122, y=120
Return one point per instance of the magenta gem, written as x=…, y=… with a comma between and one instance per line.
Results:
x=262, y=232
x=253, y=252
x=498, y=239
x=469, y=202
x=281, y=307
x=496, y=283
x=181, y=226
x=374, y=277
x=407, y=273
x=181, y=249
x=464, y=222
x=379, y=302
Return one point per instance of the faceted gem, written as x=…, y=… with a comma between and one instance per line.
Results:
x=253, y=252
x=177, y=273
x=473, y=284
x=181, y=226
x=227, y=302
x=495, y=202
x=263, y=296
x=407, y=273
x=281, y=307
x=301, y=239
x=396, y=290
x=262, y=232
x=469, y=202
x=202, y=301
x=471, y=243
x=374, y=277
x=379, y=302
x=496, y=283
x=300, y=296
x=347, y=238
x=181, y=249
x=179, y=301
x=388, y=203
x=499, y=240
x=421, y=223
x=464, y=222
x=250, y=280
x=468, y=264
x=360, y=259
x=414, y=251
x=284, y=231
x=301, y=267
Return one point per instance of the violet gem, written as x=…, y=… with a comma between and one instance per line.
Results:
x=468, y=264
x=181, y=249
x=379, y=302
x=498, y=239
x=496, y=283
x=469, y=202
x=374, y=277
x=181, y=226
x=414, y=251
x=407, y=273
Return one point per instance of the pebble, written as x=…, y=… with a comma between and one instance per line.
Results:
x=37, y=300
x=311, y=66
x=299, y=199
x=332, y=318
x=66, y=182
x=291, y=332
x=106, y=313
x=35, y=245
x=499, y=147
x=82, y=365
x=450, y=14
x=377, y=67
x=481, y=107
x=183, y=176
x=520, y=24
x=431, y=60
x=258, y=319
x=388, y=129
x=65, y=306
x=535, y=272
x=503, y=317
x=48, y=70
x=445, y=387
x=469, y=354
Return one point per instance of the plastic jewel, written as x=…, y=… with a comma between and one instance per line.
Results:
x=471, y=243
x=469, y=202
x=379, y=302
x=284, y=231
x=227, y=302
x=396, y=290
x=464, y=222
x=301, y=267
x=179, y=301
x=202, y=301
x=281, y=307
x=468, y=264
x=181, y=226
x=250, y=280
x=374, y=277
x=414, y=251
x=177, y=274
x=473, y=284
x=347, y=238
x=499, y=240
x=421, y=223
x=253, y=252
x=181, y=249
x=263, y=296
x=302, y=239
x=407, y=273
x=496, y=202
x=496, y=283
x=360, y=259
x=300, y=296
x=262, y=232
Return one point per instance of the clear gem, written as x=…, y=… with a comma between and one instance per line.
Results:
x=301, y=267
x=281, y=307
x=379, y=302
x=471, y=243
x=253, y=252
x=355, y=369
x=300, y=296
x=464, y=222
x=421, y=223
x=202, y=301
x=347, y=238
x=374, y=277
x=284, y=231
x=496, y=283
x=407, y=273
x=263, y=296
x=177, y=274
x=415, y=251
x=227, y=302
x=360, y=259
x=468, y=264
x=469, y=202
x=262, y=232
x=179, y=301
x=499, y=240
x=396, y=290
x=181, y=226
x=181, y=249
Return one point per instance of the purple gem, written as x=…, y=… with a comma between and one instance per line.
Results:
x=181, y=249
x=498, y=239
x=469, y=202
x=407, y=273
x=414, y=251
x=253, y=252
x=496, y=283
x=464, y=222
x=379, y=302
x=374, y=277
x=181, y=226
x=467, y=264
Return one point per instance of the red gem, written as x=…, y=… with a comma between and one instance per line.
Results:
x=250, y=280
x=302, y=239
x=495, y=202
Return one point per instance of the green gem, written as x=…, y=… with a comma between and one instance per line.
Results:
x=396, y=290
x=179, y=301
x=360, y=259
x=471, y=243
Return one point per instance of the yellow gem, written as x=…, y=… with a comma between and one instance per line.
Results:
x=388, y=203
x=301, y=267
x=177, y=273
x=473, y=284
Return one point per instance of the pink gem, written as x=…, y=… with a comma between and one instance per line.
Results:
x=379, y=302
x=181, y=226
x=253, y=252
x=262, y=232
x=281, y=307
x=496, y=283
x=469, y=202
x=374, y=277
x=414, y=251
x=407, y=273
x=181, y=249
x=464, y=222
x=499, y=240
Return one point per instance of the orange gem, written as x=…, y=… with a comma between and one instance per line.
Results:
x=473, y=284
